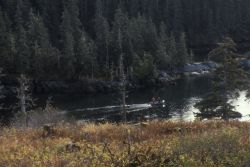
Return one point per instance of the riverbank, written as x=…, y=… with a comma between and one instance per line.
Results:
x=156, y=143
x=95, y=86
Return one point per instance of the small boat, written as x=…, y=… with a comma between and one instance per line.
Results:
x=157, y=103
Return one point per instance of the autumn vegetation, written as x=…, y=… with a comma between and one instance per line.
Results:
x=155, y=143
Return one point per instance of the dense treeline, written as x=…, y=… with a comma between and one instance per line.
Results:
x=73, y=39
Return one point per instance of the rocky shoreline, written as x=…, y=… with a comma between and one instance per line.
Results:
x=87, y=86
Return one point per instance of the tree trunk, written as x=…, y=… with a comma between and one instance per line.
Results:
x=23, y=100
x=107, y=59
x=122, y=78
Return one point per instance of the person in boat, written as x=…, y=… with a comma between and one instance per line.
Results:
x=153, y=100
x=157, y=102
x=158, y=99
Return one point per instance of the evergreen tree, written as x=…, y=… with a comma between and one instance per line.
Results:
x=3, y=34
x=172, y=51
x=67, y=43
x=62, y=24
x=103, y=38
x=137, y=28
x=150, y=38
x=86, y=60
x=230, y=79
x=120, y=27
x=52, y=18
x=178, y=17
x=144, y=68
x=39, y=46
x=7, y=43
x=22, y=51
x=76, y=25
x=163, y=57
x=182, y=52
x=22, y=61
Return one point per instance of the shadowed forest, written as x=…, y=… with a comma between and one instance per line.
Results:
x=103, y=61
x=74, y=39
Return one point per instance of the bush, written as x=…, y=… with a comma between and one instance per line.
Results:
x=38, y=117
x=144, y=67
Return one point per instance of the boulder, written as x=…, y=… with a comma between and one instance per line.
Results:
x=212, y=65
x=245, y=64
x=163, y=74
x=163, y=81
x=198, y=67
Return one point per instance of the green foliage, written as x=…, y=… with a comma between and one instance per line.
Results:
x=230, y=79
x=215, y=105
x=225, y=50
x=52, y=32
x=182, y=52
x=145, y=67
x=178, y=50
x=163, y=58
x=22, y=51
x=40, y=48
x=67, y=40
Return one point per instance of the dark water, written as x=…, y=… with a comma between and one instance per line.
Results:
x=179, y=98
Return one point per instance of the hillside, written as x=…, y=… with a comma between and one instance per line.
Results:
x=75, y=39
x=157, y=143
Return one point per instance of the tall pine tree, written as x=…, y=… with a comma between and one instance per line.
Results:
x=67, y=43
x=230, y=79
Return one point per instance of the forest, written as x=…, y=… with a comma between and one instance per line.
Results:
x=77, y=77
x=74, y=39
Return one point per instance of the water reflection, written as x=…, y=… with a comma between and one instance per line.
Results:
x=243, y=106
x=180, y=100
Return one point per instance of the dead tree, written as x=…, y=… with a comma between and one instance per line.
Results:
x=25, y=101
x=122, y=78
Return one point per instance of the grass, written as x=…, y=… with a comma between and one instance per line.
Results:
x=156, y=143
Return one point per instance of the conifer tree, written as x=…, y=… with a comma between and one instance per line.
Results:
x=172, y=51
x=178, y=18
x=137, y=28
x=163, y=57
x=119, y=32
x=86, y=60
x=120, y=27
x=103, y=38
x=3, y=34
x=64, y=22
x=22, y=51
x=230, y=79
x=22, y=61
x=182, y=52
x=76, y=25
x=150, y=37
x=39, y=45
x=67, y=43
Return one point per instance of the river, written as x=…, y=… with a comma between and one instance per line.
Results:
x=180, y=100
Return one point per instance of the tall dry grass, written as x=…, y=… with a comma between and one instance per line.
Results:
x=156, y=143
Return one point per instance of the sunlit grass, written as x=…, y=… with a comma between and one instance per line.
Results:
x=156, y=143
